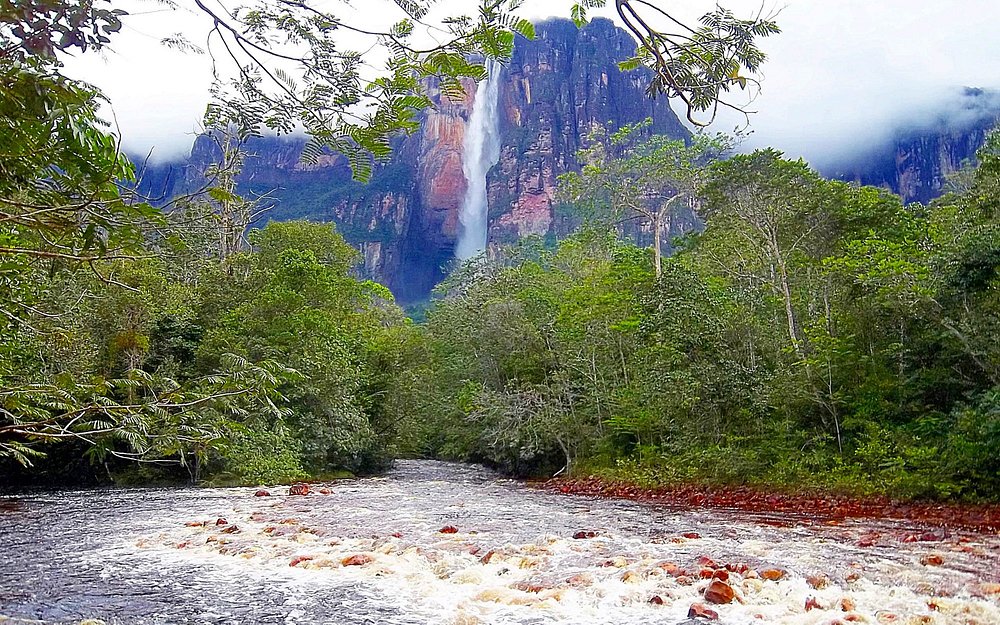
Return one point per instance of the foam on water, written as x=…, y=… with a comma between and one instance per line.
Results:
x=513, y=560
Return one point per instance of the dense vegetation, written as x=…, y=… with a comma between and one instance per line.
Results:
x=814, y=334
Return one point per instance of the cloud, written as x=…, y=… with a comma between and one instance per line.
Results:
x=844, y=76
x=840, y=78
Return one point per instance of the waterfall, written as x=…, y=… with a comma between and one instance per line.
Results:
x=480, y=152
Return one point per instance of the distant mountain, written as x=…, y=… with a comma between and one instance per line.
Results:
x=917, y=160
x=406, y=221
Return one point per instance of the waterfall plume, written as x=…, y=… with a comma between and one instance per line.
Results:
x=480, y=152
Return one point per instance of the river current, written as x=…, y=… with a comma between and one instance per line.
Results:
x=372, y=551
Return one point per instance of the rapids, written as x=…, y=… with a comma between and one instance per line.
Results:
x=143, y=556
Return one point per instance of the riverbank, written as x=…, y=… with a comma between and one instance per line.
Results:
x=787, y=508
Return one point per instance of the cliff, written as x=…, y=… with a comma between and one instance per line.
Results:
x=917, y=161
x=405, y=221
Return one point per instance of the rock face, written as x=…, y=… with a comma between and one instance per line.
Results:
x=918, y=160
x=405, y=222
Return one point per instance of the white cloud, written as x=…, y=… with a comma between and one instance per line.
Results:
x=838, y=78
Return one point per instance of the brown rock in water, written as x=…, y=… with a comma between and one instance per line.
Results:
x=989, y=589
x=700, y=610
x=692, y=536
x=719, y=592
x=299, y=489
x=232, y=529
x=707, y=562
x=221, y=522
x=656, y=600
x=722, y=574
x=357, y=560
x=262, y=493
x=195, y=524
x=489, y=556
x=932, y=560
x=818, y=582
x=669, y=568
x=630, y=577
x=448, y=529
x=582, y=534
x=847, y=604
x=325, y=491
x=529, y=587
x=812, y=604
x=772, y=574
x=297, y=560
x=580, y=579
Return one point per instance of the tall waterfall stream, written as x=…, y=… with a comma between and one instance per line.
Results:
x=372, y=551
x=480, y=152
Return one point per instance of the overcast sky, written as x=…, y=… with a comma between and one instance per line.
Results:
x=839, y=77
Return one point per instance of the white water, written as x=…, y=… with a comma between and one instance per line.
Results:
x=129, y=558
x=480, y=152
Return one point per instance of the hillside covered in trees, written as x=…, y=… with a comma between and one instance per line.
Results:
x=816, y=334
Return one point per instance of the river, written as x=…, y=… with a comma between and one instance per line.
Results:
x=372, y=551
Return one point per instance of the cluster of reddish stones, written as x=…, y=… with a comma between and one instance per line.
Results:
x=815, y=506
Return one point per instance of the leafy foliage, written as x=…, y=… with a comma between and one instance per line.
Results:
x=814, y=334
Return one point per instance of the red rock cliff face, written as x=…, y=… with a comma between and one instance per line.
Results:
x=405, y=221
x=554, y=89
x=440, y=178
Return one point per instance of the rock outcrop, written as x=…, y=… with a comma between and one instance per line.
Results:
x=920, y=157
x=405, y=222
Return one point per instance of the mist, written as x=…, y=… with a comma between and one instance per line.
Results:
x=841, y=80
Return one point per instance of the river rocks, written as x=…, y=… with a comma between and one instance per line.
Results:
x=669, y=568
x=528, y=587
x=691, y=535
x=772, y=575
x=360, y=559
x=631, y=577
x=262, y=493
x=583, y=534
x=819, y=582
x=221, y=521
x=702, y=611
x=813, y=604
x=580, y=580
x=989, y=590
x=847, y=604
x=656, y=600
x=232, y=529
x=299, y=489
x=325, y=491
x=932, y=560
x=448, y=529
x=707, y=562
x=490, y=555
x=297, y=560
x=719, y=592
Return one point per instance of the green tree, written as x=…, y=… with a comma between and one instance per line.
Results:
x=626, y=176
